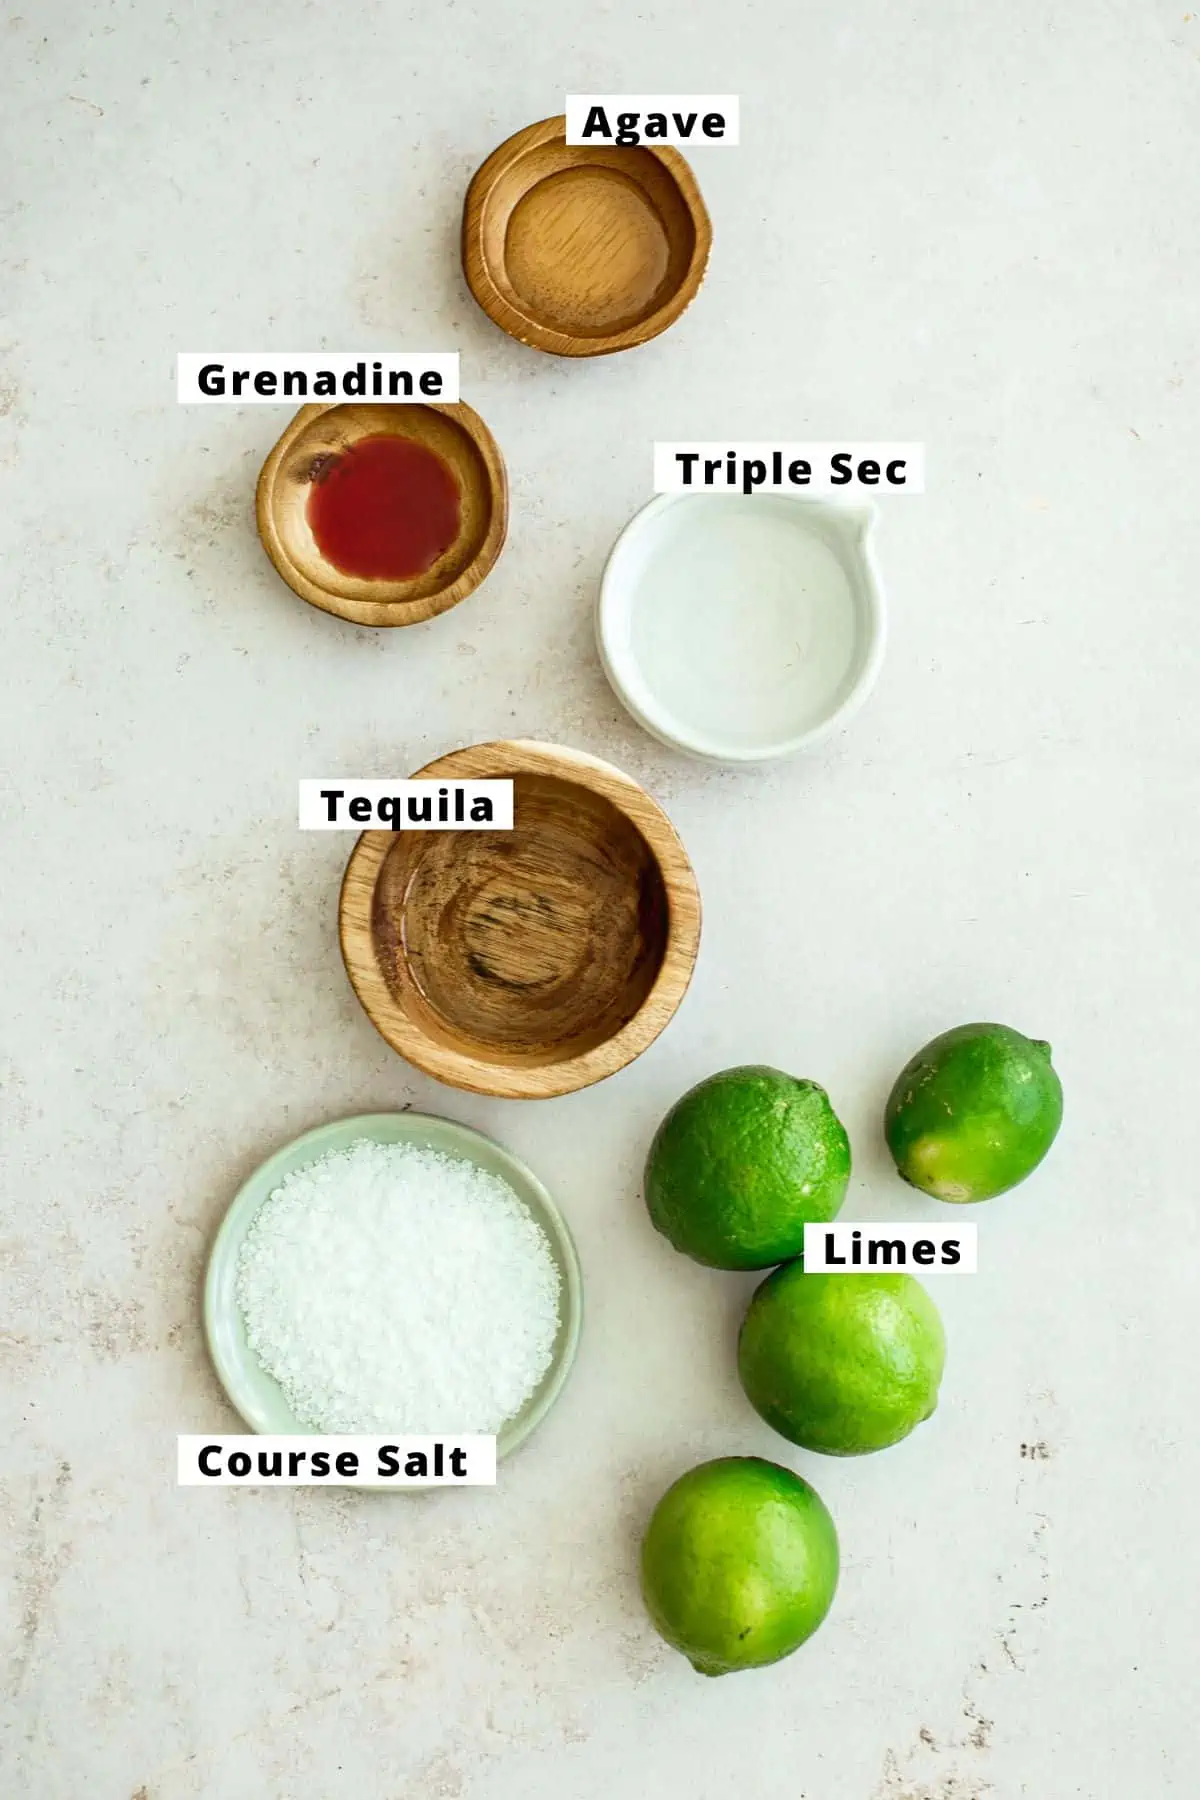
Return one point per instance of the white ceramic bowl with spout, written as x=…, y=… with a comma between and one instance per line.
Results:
x=740, y=628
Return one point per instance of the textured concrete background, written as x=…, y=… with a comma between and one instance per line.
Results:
x=968, y=224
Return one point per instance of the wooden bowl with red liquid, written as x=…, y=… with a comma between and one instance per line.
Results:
x=384, y=514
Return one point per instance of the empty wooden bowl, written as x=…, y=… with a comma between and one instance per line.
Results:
x=583, y=249
x=457, y=435
x=529, y=962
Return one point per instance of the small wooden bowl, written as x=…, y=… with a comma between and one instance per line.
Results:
x=582, y=249
x=455, y=433
x=529, y=962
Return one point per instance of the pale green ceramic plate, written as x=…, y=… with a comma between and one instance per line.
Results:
x=255, y=1394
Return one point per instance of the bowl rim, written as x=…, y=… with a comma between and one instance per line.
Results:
x=711, y=748
x=221, y=1266
x=524, y=326
x=499, y=759
x=386, y=612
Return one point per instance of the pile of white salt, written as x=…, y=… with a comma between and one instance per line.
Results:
x=390, y=1288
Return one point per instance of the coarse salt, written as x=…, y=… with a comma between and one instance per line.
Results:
x=388, y=1287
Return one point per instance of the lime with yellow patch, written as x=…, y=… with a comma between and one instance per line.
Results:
x=742, y=1163
x=974, y=1112
x=739, y=1564
x=842, y=1364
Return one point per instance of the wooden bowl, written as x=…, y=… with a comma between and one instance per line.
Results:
x=529, y=962
x=583, y=249
x=455, y=433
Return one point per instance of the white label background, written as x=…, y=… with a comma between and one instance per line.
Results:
x=314, y=811
x=312, y=363
x=966, y=1236
x=480, y=1460
x=668, y=473
x=580, y=105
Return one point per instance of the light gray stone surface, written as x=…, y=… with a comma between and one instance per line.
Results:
x=967, y=224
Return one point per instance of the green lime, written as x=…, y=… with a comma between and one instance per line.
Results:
x=739, y=1564
x=974, y=1112
x=842, y=1364
x=742, y=1163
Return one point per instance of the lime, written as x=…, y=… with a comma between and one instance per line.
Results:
x=843, y=1364
x=742, y=1163
x=739, y=1564
x=974, y=1112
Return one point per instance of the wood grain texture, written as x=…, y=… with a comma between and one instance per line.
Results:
x=530, y=962
x=582, y=250
x=457, y=434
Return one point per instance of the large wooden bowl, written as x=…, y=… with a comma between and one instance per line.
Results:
x=529, y=962
x=583, y=249
x=456, y=434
